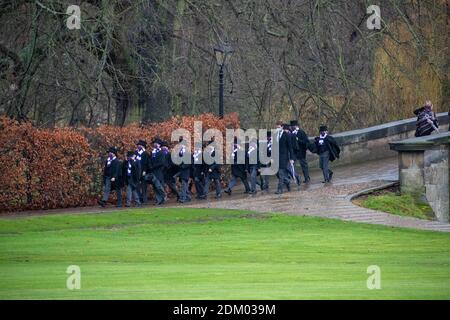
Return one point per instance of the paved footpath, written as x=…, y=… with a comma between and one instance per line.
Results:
x=332, y=200
x=313, y=199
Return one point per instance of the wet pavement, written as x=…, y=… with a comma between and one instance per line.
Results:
x=331, y=200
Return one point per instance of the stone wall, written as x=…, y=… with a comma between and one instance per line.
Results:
x=424, y=170
x=373, y=143
x=436, y=181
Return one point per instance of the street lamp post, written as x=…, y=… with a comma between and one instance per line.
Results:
x=222, y=53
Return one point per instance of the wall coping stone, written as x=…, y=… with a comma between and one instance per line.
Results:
x=421, y=143
x=383, y=130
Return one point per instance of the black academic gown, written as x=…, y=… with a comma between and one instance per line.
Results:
x=286, y=152
x=157, y=164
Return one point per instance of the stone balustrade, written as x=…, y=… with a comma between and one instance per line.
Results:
x=424, y=170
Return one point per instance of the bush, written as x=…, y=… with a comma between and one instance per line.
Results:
x=44, y=169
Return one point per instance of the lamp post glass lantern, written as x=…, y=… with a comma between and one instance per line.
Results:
x=222, y=53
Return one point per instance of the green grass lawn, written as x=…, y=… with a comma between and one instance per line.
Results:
x=402, y=205
x=217, y=254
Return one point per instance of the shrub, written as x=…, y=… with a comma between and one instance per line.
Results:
x=58, y=168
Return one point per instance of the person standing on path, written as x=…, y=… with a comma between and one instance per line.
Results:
x=252, y=159
x=156, y=166
x=111, y=176
x=213, y=172
x=238, y=168
x=142, y=160
x=285, y=159
x=302, y=143
x=130, y=174
x=328, y=150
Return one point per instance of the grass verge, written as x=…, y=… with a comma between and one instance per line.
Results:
x=170, y=253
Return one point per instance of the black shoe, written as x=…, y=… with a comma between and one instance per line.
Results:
x=307, y=180
x=101, y=203
x=288, y=187
x=227, y=191
x=298, y=181
x=160, y=202
x=279, y=192
x=331, y=176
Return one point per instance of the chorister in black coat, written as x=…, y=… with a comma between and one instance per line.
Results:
x=170, y=170
x=198, y=171
x=265, y=178
x=111, y=169
x=253, y=164
x=238, y=169
x=130, y=172
x=285, y=150
x=142, y=163
x=301, y=141
x=213, y=172
x=184, y=173
x=157, y=164
x=328, y=150
x=111, y=177
x=184, y=169
x=285, y=156
x=142, y=158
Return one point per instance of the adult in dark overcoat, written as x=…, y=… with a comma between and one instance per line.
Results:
x=285, y=158
x=301, y=145
x=142, y=162
x=238, y=169
x=130, y=174
x=111, y=177
x=156, y=167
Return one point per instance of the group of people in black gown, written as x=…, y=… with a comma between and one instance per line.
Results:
x=157, y=168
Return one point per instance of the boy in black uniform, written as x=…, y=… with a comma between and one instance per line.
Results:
x=170, y=170
x=184, y=170
x=302, y=143
x=252, y=158
x=265, y=178
x=213, y=172
x=142, y=161
x=285, y=159
x=328, y=150
x=156, y=166
x=198, y=173
x=130, y=172
x=238, y=170
x=111, y=177
x=291, y=168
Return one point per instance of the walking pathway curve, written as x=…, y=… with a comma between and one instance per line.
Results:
x=331, y=200
x=313, y=199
